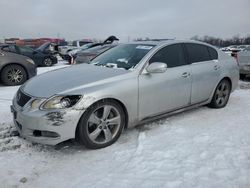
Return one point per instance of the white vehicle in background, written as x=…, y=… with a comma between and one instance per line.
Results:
x=243, y=58
x=73, y=45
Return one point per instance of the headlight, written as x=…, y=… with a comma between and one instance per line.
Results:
x=30, y=61
x=61, y=102
x=35, y=104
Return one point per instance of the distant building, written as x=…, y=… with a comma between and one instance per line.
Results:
x=33, y=43
x=11, y=40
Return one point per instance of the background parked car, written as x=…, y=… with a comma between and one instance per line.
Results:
x=86, y=56
x=243, y=58
x=15, y=69
x=64, y=50
x=71, y=54
x=41, y=56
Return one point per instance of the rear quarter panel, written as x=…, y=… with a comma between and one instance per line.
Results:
x=230, y=68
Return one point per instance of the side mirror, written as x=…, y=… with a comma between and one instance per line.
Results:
x=157, y=67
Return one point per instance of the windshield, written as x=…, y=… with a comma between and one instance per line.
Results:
x=86, y=46
x=247, y=48
x=124, y=56
x=43, y=47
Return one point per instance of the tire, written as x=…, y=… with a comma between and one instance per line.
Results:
x=47, y=62
x=242, y=76
x=13, y=75
x=221, y=94
x=95, y=129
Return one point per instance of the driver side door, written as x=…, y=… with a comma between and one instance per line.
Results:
x=164, y=92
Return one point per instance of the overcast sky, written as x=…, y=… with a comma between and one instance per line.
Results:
x=77, y=19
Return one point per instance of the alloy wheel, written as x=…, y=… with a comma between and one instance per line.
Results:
x=103, y=124
x=15, y=75
x=48, y=62
x=222, y=93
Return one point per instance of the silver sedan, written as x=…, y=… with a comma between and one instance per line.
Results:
x=123, y=87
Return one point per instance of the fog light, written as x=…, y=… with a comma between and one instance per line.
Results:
x=38, y=133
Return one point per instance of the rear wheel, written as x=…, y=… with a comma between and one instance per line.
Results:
x=101, y=125
x=47, y=62
x=221, y=94
x=13, y=75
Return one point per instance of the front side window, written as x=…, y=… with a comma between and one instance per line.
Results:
x=197, y=52
x=124, y=56
x=172, y=55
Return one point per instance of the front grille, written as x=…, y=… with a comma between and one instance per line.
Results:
x=22, y=98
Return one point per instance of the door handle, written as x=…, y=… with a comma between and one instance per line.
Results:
x=185, y=74
x=216, y=67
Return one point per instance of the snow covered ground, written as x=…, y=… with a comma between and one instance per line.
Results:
x=198, y=148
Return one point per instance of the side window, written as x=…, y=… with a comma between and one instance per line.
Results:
x=197, y=52
x=6, y=48
x=25, y=50
x=172, y=55
x=213, y=53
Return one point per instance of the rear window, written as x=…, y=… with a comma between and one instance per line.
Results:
x=197, y=52
x=213, y=53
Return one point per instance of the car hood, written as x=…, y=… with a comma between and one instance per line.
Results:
x=61, y=80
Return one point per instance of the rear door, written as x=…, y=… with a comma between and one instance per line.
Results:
x=164, y=92
x=206, y=71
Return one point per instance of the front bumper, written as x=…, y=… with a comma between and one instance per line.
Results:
x=31, y=70
x=45, y=127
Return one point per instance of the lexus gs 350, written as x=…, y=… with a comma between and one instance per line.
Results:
x=125, y=86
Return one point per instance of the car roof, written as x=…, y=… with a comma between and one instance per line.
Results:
x=160, y=42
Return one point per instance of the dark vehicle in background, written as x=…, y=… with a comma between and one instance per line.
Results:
x=42, y=56
x=243, y=59
x=48, y=47
x=86, y=56
x=15, y=69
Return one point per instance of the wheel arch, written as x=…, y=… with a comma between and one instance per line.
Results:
x=108, y=99
x=228, y=79
x=223, y=78
x=19, y=64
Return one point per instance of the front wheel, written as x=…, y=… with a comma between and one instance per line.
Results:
x=13, y=75
x=47, y=62
x=221, y=94
x=101, y=125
